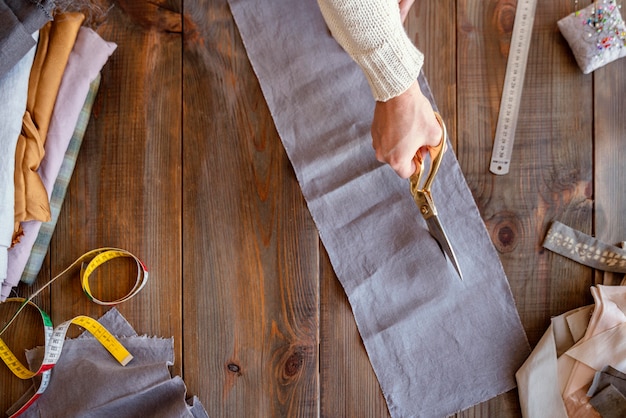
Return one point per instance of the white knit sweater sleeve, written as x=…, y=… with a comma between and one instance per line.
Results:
x=371, y=32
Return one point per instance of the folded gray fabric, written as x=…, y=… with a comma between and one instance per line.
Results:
x=605, y=377
x=19, y=19
x=32, y=14
x=88, y=382
x=437, y=344
x=609, y=402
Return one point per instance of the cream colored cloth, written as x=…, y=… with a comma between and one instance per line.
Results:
x=56, y=40
x=371, y=32
x=555, y=378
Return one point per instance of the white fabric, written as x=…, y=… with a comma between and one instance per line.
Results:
x=13, y=95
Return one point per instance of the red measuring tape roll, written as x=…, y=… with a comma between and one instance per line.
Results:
x=55, y=337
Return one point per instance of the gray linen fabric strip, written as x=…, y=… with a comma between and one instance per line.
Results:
x=585, y=249
x=437, y=344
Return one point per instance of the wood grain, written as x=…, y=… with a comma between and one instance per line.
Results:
x=610, y=152
x=125, y=191
x=251, y=280
x=551, y=170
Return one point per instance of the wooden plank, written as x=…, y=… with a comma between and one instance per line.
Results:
x=348, y=385
x=609, y=156
x=24, y=334
x=251, y=287
x=125, y=190
x=550, y=177
x=551, y=168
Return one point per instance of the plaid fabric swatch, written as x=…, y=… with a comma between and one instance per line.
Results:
x=38, y=253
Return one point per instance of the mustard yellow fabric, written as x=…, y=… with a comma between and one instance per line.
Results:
x=56, y=40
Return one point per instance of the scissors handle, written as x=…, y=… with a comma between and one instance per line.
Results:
x=436, y=155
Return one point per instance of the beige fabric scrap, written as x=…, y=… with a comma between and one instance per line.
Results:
x=554, y=379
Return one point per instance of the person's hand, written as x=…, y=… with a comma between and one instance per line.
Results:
x=402, y=126
x=405, y=5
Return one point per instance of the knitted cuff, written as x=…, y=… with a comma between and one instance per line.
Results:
x=391, y=69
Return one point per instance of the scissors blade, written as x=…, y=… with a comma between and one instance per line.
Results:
x=436, y=230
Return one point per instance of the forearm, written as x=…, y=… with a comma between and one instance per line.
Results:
x=371, y=32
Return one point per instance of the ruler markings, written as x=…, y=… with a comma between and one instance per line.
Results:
x=513, y=84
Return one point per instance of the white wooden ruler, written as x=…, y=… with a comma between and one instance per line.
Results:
x=513, y=84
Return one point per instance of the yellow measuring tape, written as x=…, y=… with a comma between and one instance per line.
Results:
x=55, y=337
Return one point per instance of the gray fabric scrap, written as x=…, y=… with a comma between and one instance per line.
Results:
x=88, y=382
x=115, y=323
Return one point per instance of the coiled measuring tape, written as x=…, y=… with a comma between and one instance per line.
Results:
x=55, y=337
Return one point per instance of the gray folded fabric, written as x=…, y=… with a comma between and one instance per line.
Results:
x=88, y=382
x=609, y=402
x=19, y=19
x=437, y=344
x=606, y=377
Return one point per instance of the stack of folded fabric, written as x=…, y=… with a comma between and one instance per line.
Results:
x=50, y=67
x=48, y=89
x=87, y=380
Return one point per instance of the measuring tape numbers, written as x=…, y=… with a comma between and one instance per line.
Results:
x=54, y=338
x=513, y=84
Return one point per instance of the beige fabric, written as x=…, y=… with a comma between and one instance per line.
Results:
x=609, y=312
x=538, y=378
x=556, y=377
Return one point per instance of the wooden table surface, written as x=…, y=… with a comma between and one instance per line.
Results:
x=182, y=166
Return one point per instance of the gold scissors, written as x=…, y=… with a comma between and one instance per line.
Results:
x=423, y=196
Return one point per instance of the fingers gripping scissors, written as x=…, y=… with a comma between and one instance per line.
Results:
x=423, y=196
